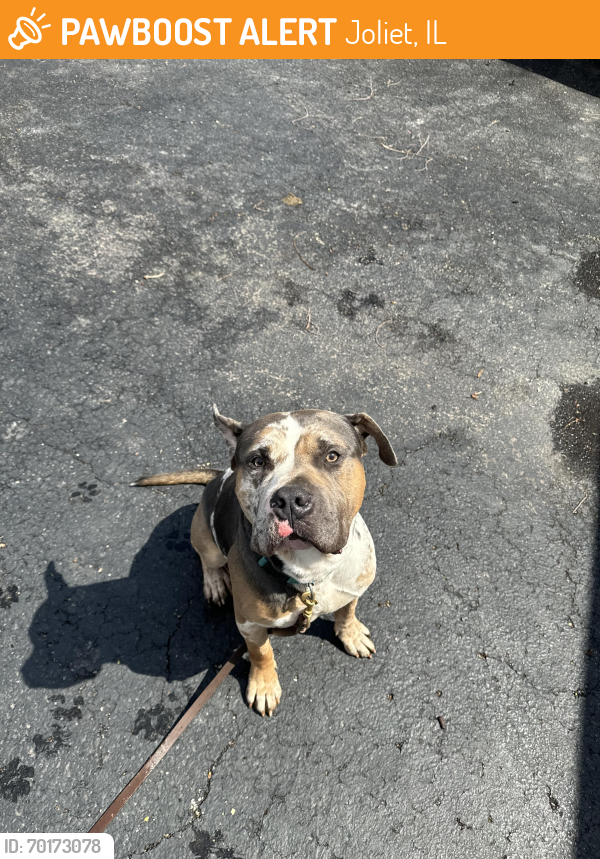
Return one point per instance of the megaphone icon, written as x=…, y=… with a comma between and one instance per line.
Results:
x=26, y=32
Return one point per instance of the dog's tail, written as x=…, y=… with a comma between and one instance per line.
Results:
x=202, y=476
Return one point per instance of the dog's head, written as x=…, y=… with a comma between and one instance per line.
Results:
x=299, y=475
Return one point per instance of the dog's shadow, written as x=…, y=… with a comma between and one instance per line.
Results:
x=156, y=621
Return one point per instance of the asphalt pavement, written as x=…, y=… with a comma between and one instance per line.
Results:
x=418, y=240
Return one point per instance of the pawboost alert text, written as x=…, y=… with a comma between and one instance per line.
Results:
x=184, y=31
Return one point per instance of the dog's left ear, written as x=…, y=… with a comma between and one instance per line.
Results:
x=364, y=426
x=230, y=428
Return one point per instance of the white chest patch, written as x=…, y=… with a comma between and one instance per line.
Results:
x=336, y=577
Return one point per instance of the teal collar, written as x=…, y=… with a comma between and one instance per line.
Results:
x=265, y=562
x=277, y=569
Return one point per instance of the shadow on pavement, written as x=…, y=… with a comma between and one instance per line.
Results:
x=588, y=842
x=576, y=430
x=156, y=621
x=583, y=75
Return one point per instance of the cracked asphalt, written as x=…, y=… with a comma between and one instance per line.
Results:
x=438, y=270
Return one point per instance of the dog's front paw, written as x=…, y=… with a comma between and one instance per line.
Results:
x=217, y=585
x=355, y=637
x=264, y=691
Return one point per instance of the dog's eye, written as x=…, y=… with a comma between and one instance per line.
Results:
x=257, y=461
x=332, y=456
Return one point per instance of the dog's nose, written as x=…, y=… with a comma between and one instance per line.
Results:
x=291, y=502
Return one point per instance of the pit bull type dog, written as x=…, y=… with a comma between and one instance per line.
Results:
x=281, y=530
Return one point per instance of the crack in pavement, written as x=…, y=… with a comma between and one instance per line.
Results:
x=195, y=806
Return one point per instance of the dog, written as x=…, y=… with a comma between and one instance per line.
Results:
x=281, y=530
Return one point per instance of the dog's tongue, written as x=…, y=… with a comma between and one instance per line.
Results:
x=284, y=529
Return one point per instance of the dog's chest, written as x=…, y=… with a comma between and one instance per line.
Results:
x=329, y=597
x=351, y=576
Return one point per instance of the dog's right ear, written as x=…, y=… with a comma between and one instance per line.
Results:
x=364, y=426
x=230, y=428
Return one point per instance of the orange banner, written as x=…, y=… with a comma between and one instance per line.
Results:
x=306, y=29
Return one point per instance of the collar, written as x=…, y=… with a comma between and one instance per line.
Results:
x=275, y=567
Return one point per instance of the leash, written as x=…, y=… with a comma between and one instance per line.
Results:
x=116, y=805
x=302, y=624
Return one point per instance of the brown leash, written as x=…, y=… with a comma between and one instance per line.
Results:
x=115, y=807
